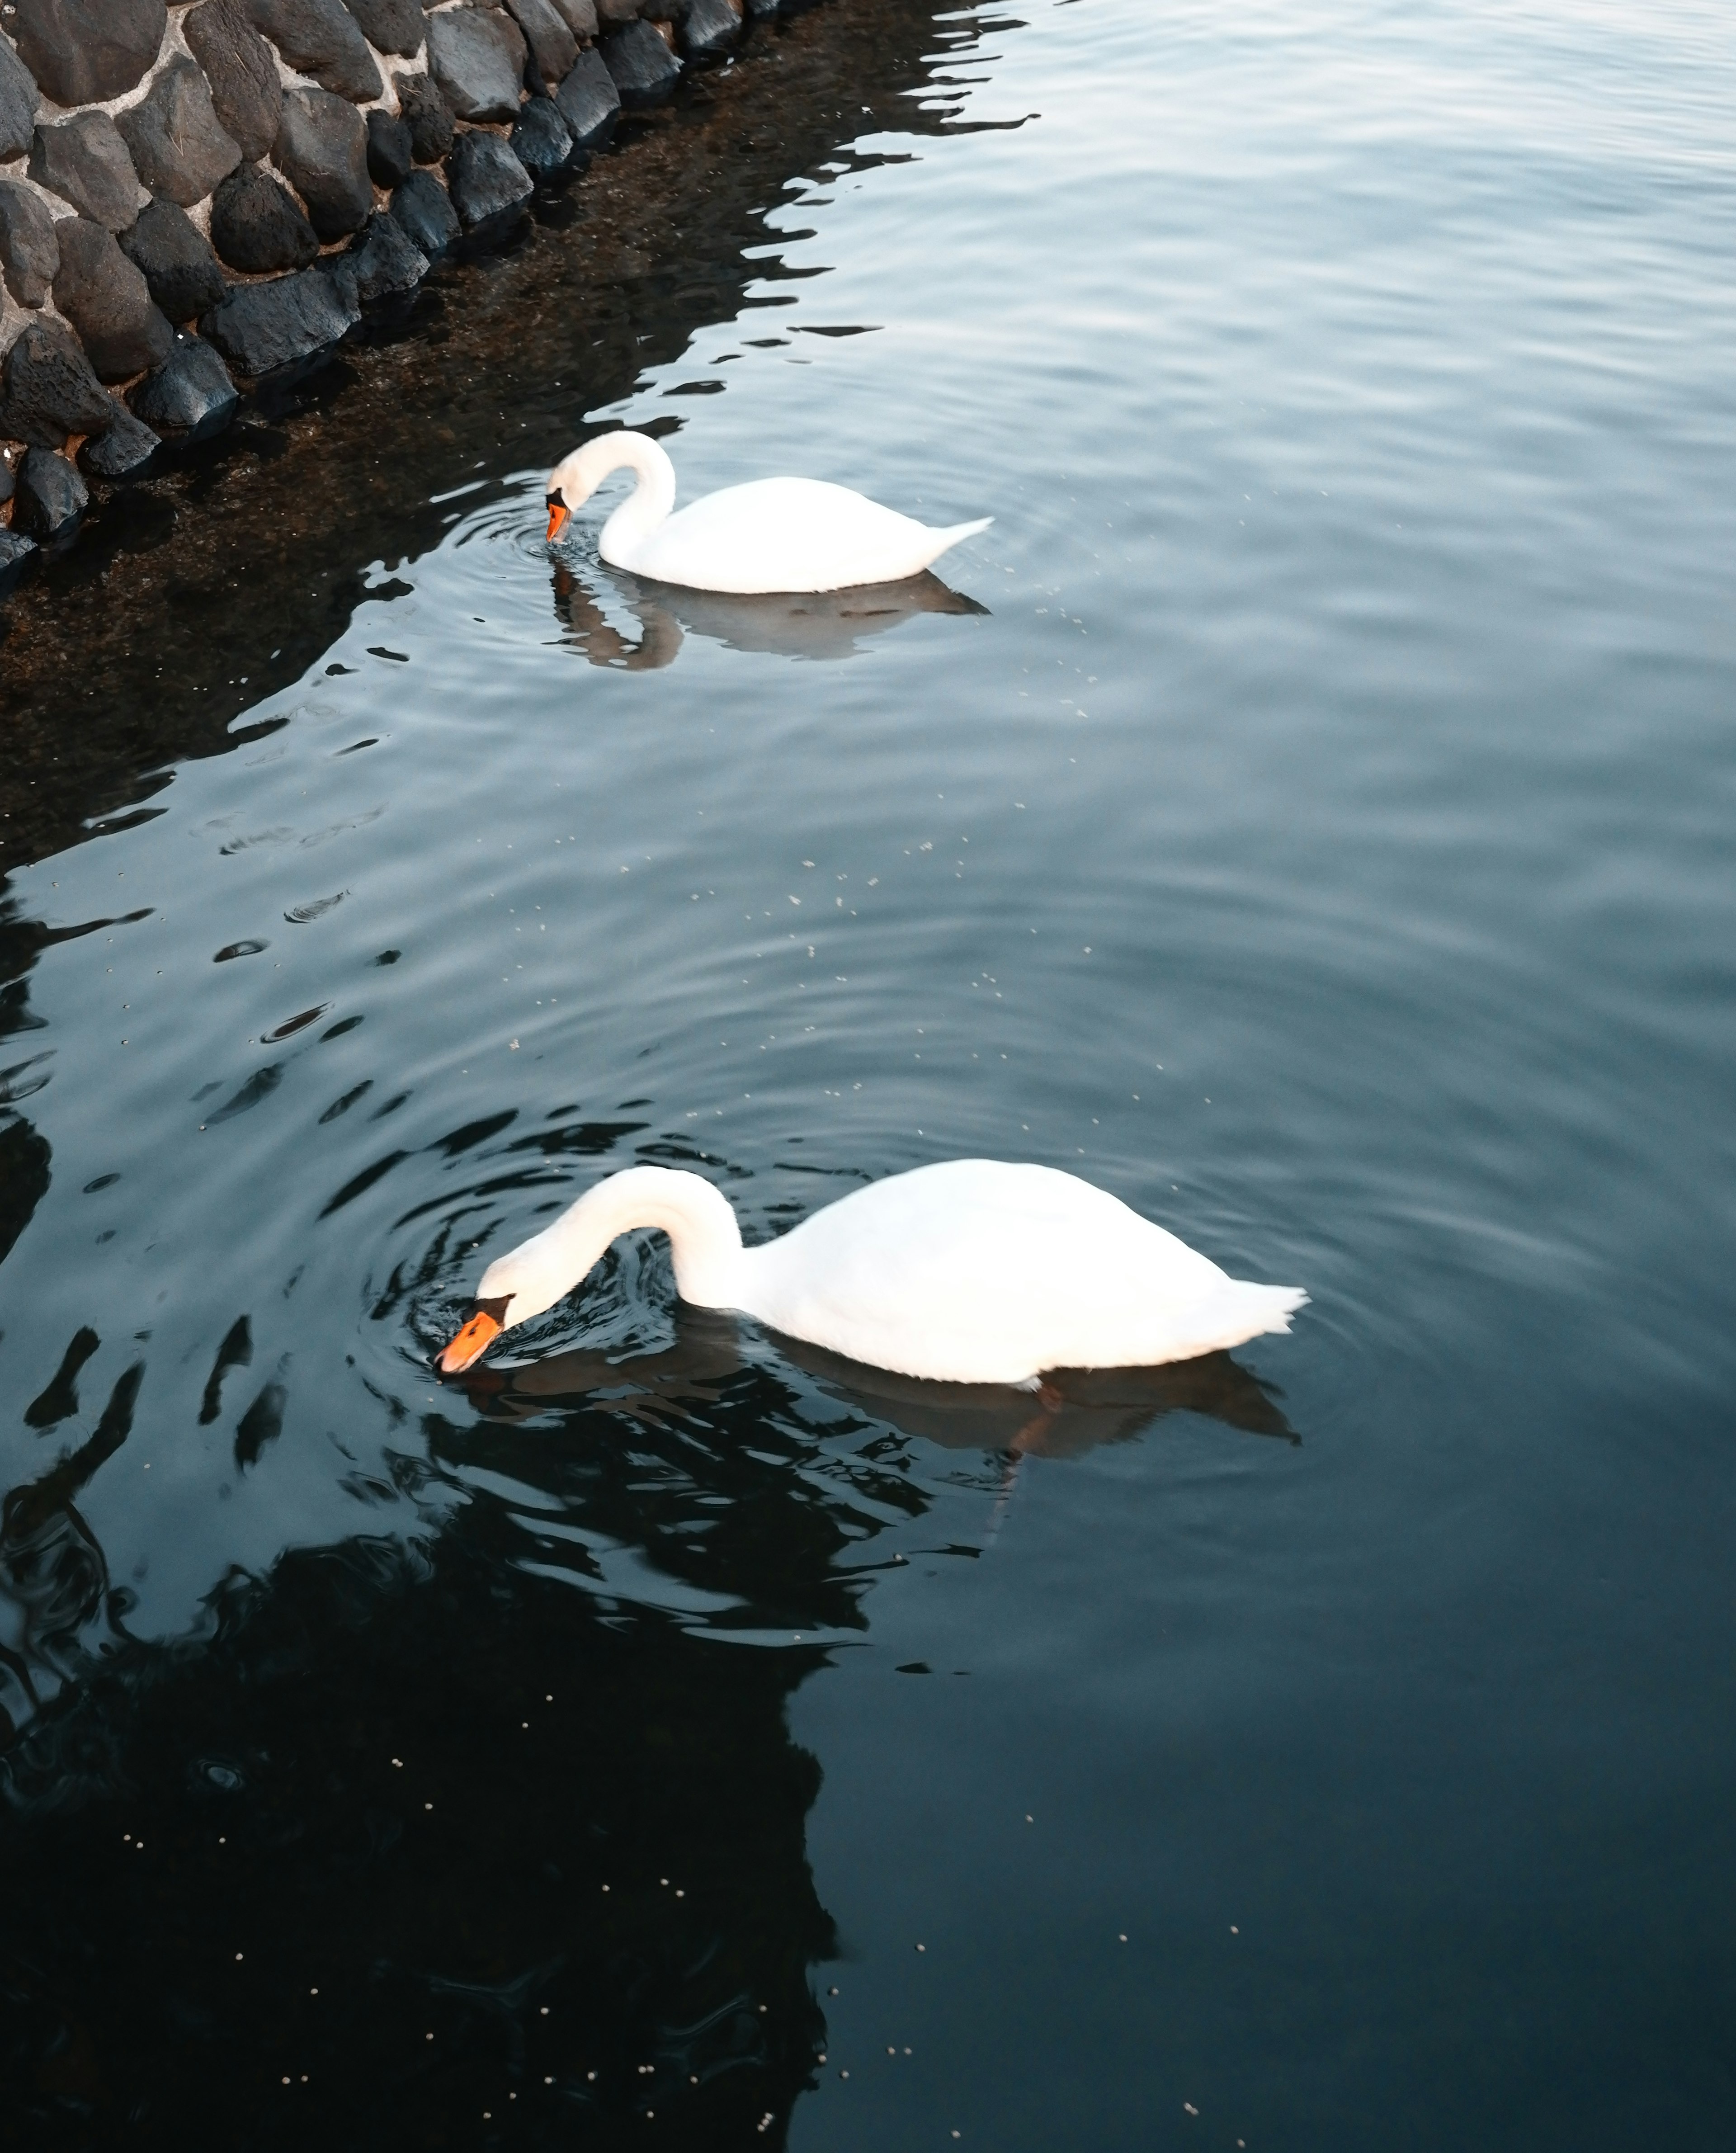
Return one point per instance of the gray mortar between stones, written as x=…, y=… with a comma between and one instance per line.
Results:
x=41, y=508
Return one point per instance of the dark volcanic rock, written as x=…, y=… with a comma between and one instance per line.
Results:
x=189, y=395
x=541, y=142
x=644, y=68
x=85, y=161
x=385, y=261
x=179, y=146
x=708, y=28
x=5, y=480
x=589, y=102
x=255, y=227
x=390, y=25
x=50, y=389
x=18, y=100
x=126, y=451
x=108, y=302
x=424, y=111
x=552, y=45
x=390, y=153
x=83, y=51
x=477, y=58
x=489, y=185
x=50, y=496
x=30, y=252
x=424, y=210
x=580, y=17
x=260, y=328
x=612, y=12
x=319, y=38
x=175, y=258
x=322, y=148
x=16, y=552
x=246, y=88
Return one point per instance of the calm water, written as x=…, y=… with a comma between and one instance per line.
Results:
x=1307, y=813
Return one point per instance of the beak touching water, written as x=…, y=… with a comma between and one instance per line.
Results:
x=474, y=1340
x=558, y=512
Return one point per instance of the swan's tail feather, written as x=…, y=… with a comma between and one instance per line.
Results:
x=1240, y=1310
x=953, y=533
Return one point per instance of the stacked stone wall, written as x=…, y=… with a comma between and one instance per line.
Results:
x=200, y=197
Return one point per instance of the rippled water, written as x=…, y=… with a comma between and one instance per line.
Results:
x=1304, y=813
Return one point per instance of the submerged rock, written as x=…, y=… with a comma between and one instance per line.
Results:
x=83, y=52
x=85, y=161
x=390, y=153
x=424, y=111
x=385, y=261
x=189, y=395
x=50, y=389
x=489, y=185
x=30, y=252
x=246, y=90
x=108, y=302
x=553, y=47
x=478, y=60
x=49, y=496
x=423, y=210
x=390, y=25
x=179, y=146
x=16, y=552
x=19, y=97
x=644, y=67
x=322, y=147
x=589, y=103
x=260, y=329
x=255, y=227
x=175, y=259
x=543, y=141
x=126, y=451
x=320, y=38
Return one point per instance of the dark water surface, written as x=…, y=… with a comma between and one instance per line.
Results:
x=1304, y=813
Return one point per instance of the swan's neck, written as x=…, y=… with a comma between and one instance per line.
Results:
x=646, y=507
x=704, y=1238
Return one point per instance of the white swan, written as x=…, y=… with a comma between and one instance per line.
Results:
x=969, y=1272
x=774, y=534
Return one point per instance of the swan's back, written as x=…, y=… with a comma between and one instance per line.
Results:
x=976, y=1270
x=789, y=534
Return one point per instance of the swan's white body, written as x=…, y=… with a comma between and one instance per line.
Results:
x=969, y=1272
x=774, y=534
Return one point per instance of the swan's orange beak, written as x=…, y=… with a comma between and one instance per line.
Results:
x=558, y=513
x=470, y=1344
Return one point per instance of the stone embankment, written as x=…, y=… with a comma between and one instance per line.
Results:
x=199, y=199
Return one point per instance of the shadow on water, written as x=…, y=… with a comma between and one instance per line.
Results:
x=494, y=1835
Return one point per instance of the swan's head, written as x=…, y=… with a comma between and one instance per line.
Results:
x=573, y=481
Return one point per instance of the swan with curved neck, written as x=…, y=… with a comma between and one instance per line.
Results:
x=772, y=534
x=972, y=1271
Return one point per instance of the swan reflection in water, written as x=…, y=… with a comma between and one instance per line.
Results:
x=819, y=624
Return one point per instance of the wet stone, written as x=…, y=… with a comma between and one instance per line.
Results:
x=126, y=451
x=322, y=147
x=489, y=185
x=30, y=252
x=5, y=480
x=424, y=111
x=49, y=496
x=611, y=13
x=390, y=154
x=18, y=100
x=85, y=161
x=553, y=47
x=175, y=259
x=320, y=38
x=580, y=17
x=108, y=302
x=385, y=261
x=390, y=25
x=423, y=210
x=84, y=51
x=708, y=28
x=16, y=552
x=477, y=58
x=246, y=92
x=541, y=142
x=255, y=227
x=179, y=146
x=589, y=103
x=189, y=395
x=260, y=328
x=50, y=389
x=644, y=67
